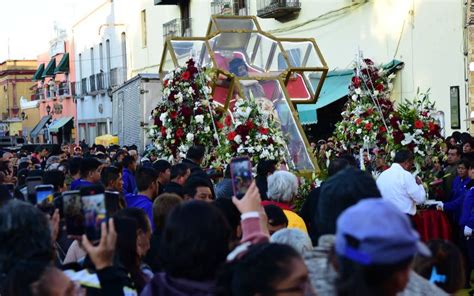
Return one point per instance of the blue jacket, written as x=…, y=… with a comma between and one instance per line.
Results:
x=129, y=184
x=141, y=202
x=458, y=191
x=467, y=216
x=79, y=183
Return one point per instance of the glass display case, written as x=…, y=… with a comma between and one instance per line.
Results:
x=246, y=61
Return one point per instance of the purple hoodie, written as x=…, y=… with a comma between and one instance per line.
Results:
x=162, y=284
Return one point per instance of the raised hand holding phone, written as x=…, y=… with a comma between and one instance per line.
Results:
x=102, y=255
x=251, y=200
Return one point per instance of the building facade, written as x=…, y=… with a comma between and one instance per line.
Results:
x=15, y=82
x=55, y=84
x=100, y=42
x=415, y=32
x=127, y=37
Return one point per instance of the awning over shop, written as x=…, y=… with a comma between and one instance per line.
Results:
x=37, y=129
x=49, y=71
x=38, y=73
x=335, y=87
x=63, y=66
x=59, y=123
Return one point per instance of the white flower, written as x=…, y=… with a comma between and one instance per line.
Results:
x=392, y=154
x=238, y=139
x=207, y=129
x=152, y=132
x=408, y=139
x=250, y=150
x=199, y=118
x=179, y=98
x=359, y=131
x=264, y=137
x=190, y=90
x=264, y=154
x=163, y=116
x=190, y=137
x=258, y=148
x=376, y=92
x=240, y=149
x=354, y=98
x=391, y=76
x=358, y=91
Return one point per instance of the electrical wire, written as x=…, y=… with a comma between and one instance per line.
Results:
x=323, y=16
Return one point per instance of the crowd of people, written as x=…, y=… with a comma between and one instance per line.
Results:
x=178, y=229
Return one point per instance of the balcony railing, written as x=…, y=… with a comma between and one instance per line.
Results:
x=73, y=89
x=177, y=28
x=84, y=86
x=39, y=94
x=229, y=7
x=278, y=9
x=92, y=84
x=63, y=89
x=101, y=80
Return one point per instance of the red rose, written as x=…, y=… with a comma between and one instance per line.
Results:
x=231, y=136
x=394, y=122
x=419, y=124
x=157, y=121
x=368, y=126
x=228, y=120
x=358, y=121
x=219, y=125
x=379, y=87
x=163, y=131
x=173, y=114
x=369, y=62
x=165, y=83
x=186, y=111
x=263, y=131
x=186, y=75
x=249, y=124
x=356, y=81
x=382, y=129
x=370, y=111
x=242, y=130
x=398, y=137
x=179, y=133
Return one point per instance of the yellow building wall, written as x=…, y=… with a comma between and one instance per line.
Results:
x=9, y=72
x=32, y=118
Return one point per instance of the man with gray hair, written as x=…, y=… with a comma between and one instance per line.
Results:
x=282, y=189
x=295, y=238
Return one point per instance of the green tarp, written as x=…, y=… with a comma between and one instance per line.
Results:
x=38, y=73
x=49, y=71
x=63, y=66
x=58, y=123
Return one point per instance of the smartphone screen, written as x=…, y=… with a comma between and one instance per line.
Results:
x=31, y=183
x=72, y=209
x=241, y=172
x=112, y=202
x=44, y=194
x=94, y=211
